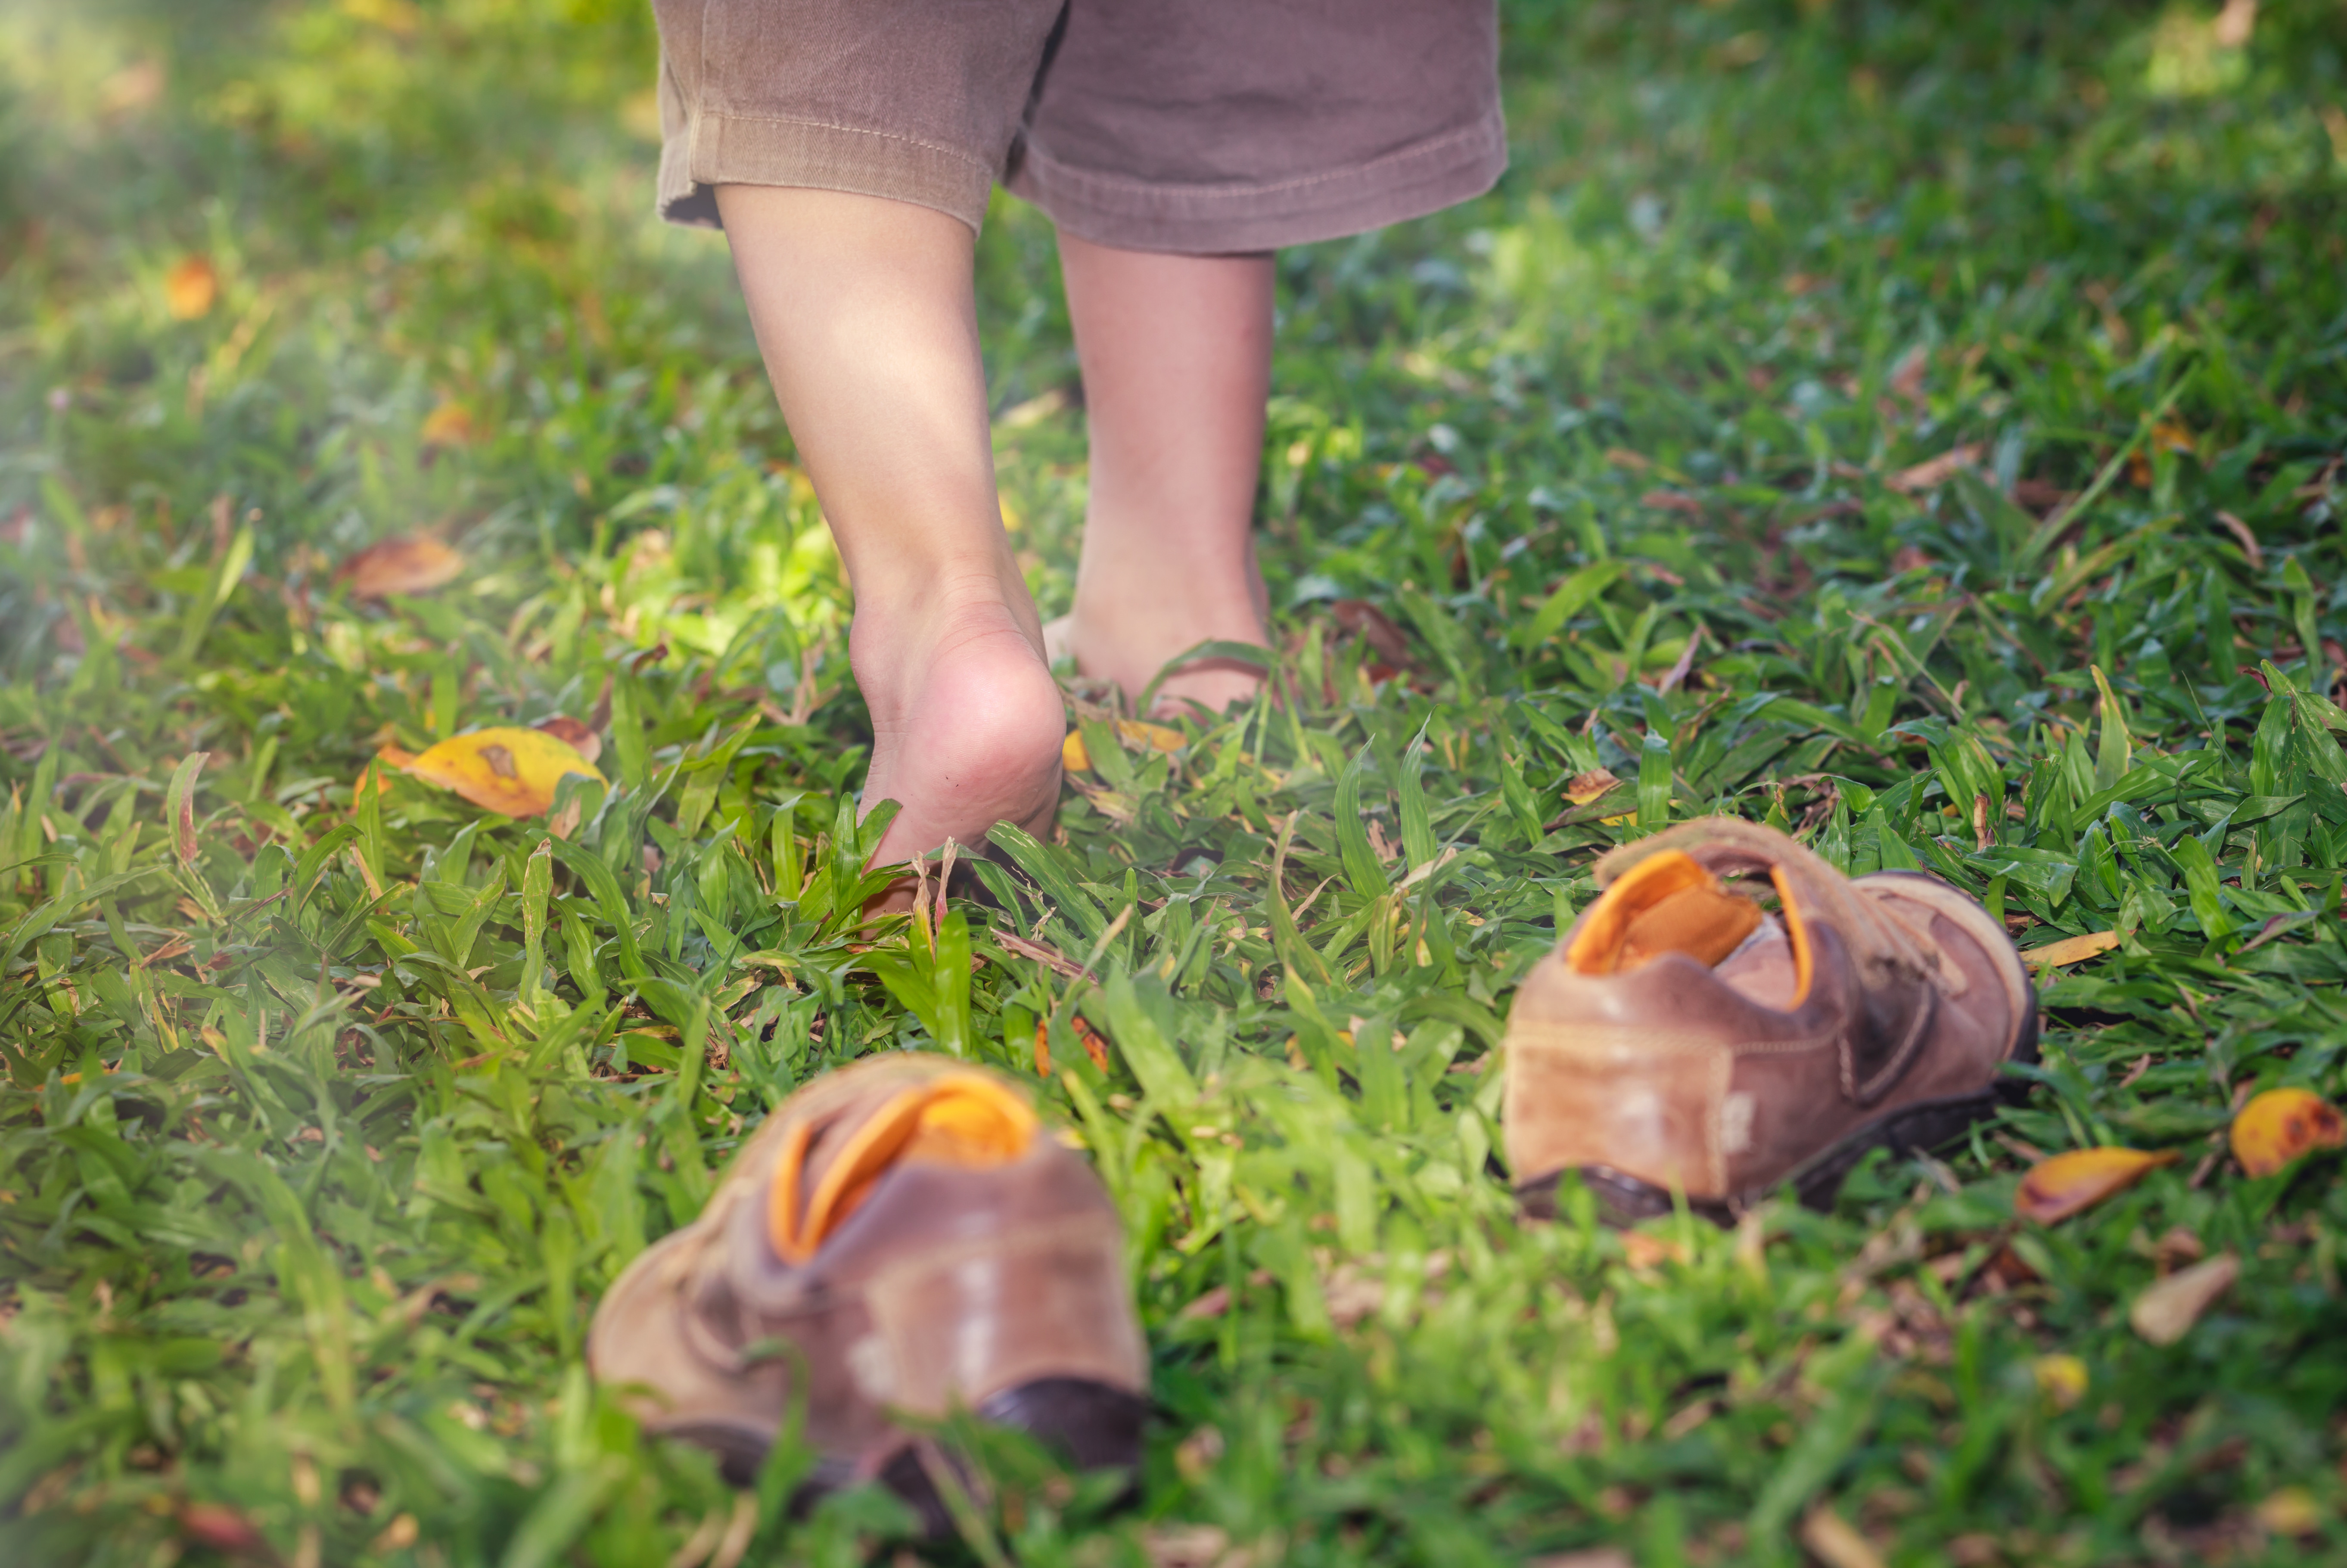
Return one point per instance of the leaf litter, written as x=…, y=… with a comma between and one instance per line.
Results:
x=331, y=1108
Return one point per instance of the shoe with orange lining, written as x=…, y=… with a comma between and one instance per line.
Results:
x=1684, y=1040
x=904, y=1238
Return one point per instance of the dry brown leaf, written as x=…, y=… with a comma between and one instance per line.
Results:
x=1835, y=1542
x=1935, y=472
x=2170, y=434
x=412, y=563
x=2071, y=949
x=508, y=769
x=2249, y=541
x=135, y=86
x=574, y=734
x=1375, y=627
x=1582, y=788
x=1587, y=1557
x=449, y=424
x=190, y=288
x=1188, y=1546
x=2059, y=1187
x=2166, y=1311
x=1907, y=377
x=2282, y=1126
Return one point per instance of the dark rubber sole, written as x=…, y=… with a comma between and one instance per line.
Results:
x=1088, y=1424
x=1626, y=1200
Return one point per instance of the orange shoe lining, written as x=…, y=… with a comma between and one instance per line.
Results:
x=1797, y=930
x=1666, y=903
x=962, y=1119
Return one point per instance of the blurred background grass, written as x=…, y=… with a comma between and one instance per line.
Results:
x=335, y=271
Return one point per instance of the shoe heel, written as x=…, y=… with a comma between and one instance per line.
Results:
x=1090, y=1423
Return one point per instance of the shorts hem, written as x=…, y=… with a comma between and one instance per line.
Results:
x=1227, y=218
x=717, y=150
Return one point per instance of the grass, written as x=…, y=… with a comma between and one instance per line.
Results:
x=328, y=1112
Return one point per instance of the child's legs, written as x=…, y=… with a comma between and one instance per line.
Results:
x=1176, y=356
x=864, y=313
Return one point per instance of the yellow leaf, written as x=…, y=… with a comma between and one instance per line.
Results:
x=2061, y=1379
x=190, y=288
x=2292, y=1511
x=508, y=769
x=2071, y=949
x=449, y=424
x=2166, y=1311
x=2282, y=1126
x=1134, y=732
x=2056, y=1188
x=1586, y=787
x=415, y=563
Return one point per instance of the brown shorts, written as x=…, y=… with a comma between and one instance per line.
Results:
x=1194, y=126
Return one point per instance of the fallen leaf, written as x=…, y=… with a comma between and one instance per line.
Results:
x=574, y=734
x=1644, y=1251
x=221, y=1528
x=1907, y=377
x=1187, y=1546
x=2059, y=1187
x=449, y=424
x=1833, y=1540
x=1935, y=472
x=2167, y=434
x=1582, y=788
x=2282, y=1126
x=392, y=754
x=2061, y=1379
x=2292, y=1511
x=412, y=563
x=2249, y=541
x=1095, y=1044
x=190, y=288
x=2166, y=1311
x=2071, y=949
x=1588, y=1557
x=1375, y=627
x=508, y=769
x=1076, y=758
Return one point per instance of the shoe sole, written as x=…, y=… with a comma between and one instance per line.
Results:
x=1625, y=1200
x=1093, y=1426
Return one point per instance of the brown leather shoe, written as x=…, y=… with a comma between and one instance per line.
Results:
x=902, y=1237
x=1684, y=1038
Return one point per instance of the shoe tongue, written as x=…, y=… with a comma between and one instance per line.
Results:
x=1666, y=903
x=823, y=1173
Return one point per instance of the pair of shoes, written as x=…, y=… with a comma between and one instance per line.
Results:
x=903, y=1237
x=1684, y=1043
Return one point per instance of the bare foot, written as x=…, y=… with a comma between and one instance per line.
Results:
x=967, y=720
x=1140, y=605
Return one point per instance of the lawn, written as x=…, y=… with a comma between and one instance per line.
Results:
x=1921, y=427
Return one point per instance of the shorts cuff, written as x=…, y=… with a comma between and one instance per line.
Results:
x=1221, y=220
x=743, y=150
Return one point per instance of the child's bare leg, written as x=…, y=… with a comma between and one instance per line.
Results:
x=864, y=313
x=1176, y=355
